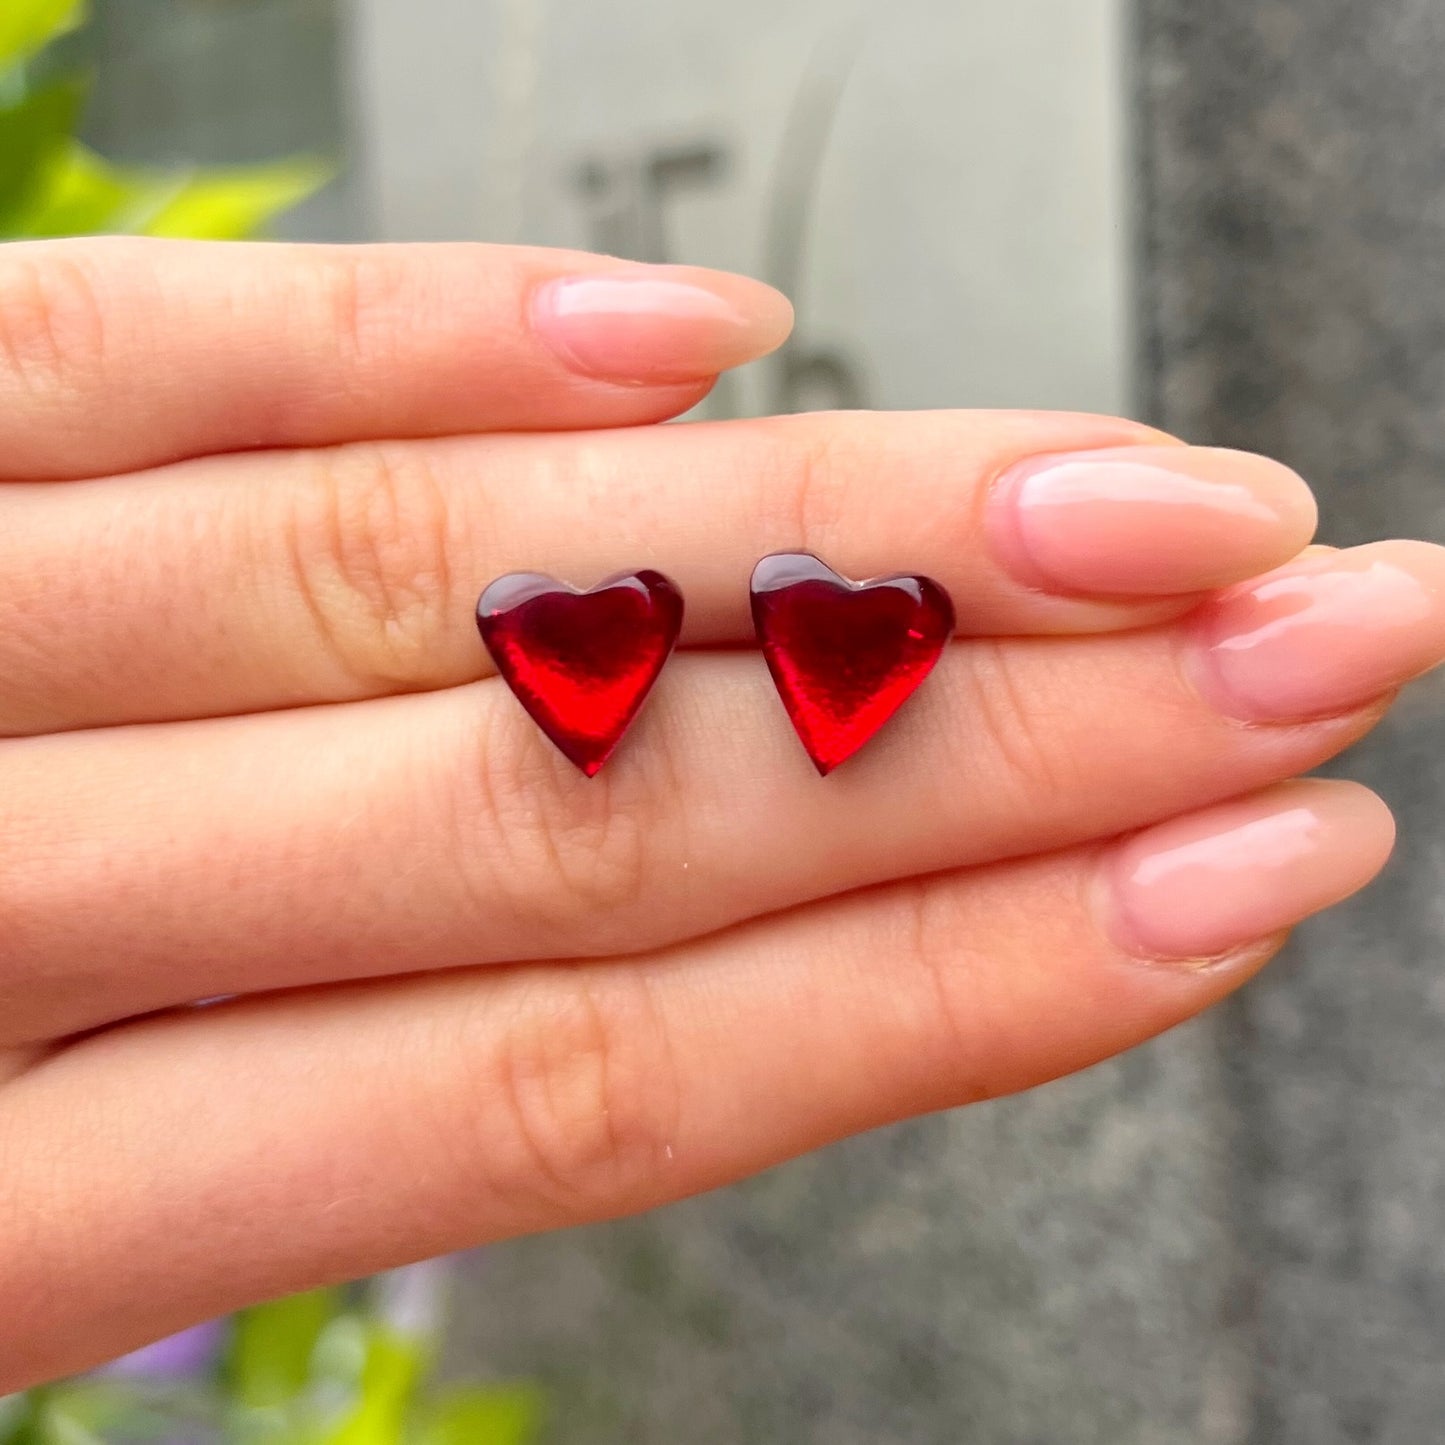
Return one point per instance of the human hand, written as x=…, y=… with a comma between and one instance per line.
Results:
x=251, y=748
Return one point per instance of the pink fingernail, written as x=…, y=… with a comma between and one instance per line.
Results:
x=661, y=325
x=1326, y=634
x=1148, y=521
x=1203, y=886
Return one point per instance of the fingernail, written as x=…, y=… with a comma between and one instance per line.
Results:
x=1326, y=634
x=659, y=325
x=1202, y=887
x=1149, y=521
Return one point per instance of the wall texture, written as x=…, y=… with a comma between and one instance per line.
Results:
x=1293, y=301
x=963, y=240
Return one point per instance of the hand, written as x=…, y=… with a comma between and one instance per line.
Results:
x=250, y=748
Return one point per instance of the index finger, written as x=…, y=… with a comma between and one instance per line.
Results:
x=119, y=353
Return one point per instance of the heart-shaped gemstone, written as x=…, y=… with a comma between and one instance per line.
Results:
x=581, y=663
x=845, y=655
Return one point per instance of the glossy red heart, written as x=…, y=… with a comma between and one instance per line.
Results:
x=581, y=663
x=845, y=655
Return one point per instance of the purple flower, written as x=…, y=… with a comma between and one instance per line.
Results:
x=188, y=1353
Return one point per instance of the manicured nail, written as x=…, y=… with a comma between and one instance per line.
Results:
x=1326, y=634
x=1205, y=886
x=659, y=325
x=1148, y=521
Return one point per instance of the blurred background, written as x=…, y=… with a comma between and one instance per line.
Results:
x=1223, y=218
x=942, y=190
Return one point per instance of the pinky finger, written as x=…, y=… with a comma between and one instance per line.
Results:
x=174, y=1169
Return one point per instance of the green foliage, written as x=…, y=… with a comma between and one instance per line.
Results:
x=53, y=185
x=474, y=1415
x=318, y=1370
x=87, y=1411
x=80, y=195
x=29, y=25
x=325, y=1368
x=226, y=205
x=272, y=1346
x=33, y=132
x=391, y=1368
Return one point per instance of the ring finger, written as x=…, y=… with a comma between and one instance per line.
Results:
x=421, y=832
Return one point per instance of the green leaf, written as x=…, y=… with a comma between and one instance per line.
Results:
x=483, y=1415
x=392, y=1371
x=33, y=134
x=46, y=1421
x=93, y=1405
x=28, y=25
x=79, y=194
x=269, y=1359
x=17, y=1416
x=227, y=205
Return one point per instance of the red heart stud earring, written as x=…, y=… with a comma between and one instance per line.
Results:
x=581, y=663
x=845, y=655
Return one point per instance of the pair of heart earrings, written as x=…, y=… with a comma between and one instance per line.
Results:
x=845, y=655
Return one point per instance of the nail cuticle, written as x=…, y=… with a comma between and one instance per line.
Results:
x=1241, y=955
x=1004, y=526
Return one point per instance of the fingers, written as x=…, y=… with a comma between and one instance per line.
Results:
x=174, y=1169
x=121, y=353
x=442, y=829
x=242, y=584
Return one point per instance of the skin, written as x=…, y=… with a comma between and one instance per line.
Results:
x=250, y=747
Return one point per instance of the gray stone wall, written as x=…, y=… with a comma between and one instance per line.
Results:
x=1293, y=286
x=963, y=241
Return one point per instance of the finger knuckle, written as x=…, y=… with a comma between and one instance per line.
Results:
x=940, y=1023
x=569, y=858
x=362, y=290
x=1026, y=763
x=14, y=925
x=580, y=1099
x=48, y=984
x=369, y=546
x=931, y=943
x=52, y=326
x=812, y=470
x=830, y=483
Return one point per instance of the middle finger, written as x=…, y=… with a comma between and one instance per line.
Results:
x=424, y=832
x=241, y=584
